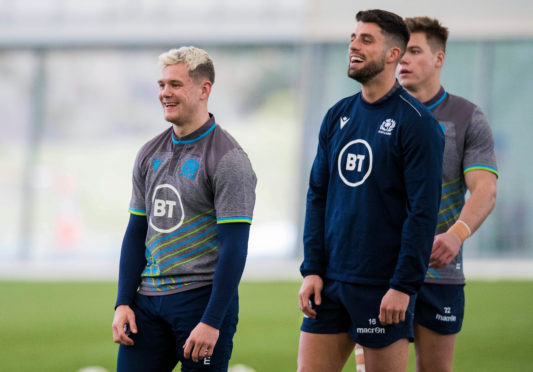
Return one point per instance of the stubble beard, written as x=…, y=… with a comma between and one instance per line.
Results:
x=367, y=73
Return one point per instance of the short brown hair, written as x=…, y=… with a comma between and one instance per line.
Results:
x=436, y=34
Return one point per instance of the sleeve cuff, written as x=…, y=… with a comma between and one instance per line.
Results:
x=236, y=219
x=211, y=321
x=481, y=167
x=137, y=212
x=407, y=289
x=123, y=301
x=311, y=271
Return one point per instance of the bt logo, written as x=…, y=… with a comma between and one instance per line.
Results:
x=160, y=207
x=167, y=209
x=355, y=162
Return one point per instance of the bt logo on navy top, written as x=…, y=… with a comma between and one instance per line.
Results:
x=189, y=168
x=167, y=210
x=355, y=162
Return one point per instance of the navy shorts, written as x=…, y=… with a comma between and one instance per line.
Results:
x=440, y=307
x=164, y=324
x=354, y=309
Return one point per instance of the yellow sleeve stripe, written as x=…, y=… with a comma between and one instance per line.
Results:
x=481, y=167
x=137, y=212
x=234, y=219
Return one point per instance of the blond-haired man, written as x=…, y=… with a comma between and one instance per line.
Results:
x=185, y=246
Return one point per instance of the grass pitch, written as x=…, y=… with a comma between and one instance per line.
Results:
x=65, y=326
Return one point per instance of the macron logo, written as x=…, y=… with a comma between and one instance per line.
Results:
x=344, y=121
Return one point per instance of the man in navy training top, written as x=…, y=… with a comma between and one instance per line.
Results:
x=469, y=163
x=185, y=246
x=372, y=205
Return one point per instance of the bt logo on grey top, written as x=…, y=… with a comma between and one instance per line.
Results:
x=168, y=214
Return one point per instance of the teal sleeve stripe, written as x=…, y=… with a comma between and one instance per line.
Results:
x=137, y=212
x=234, y=219
x=481, y=167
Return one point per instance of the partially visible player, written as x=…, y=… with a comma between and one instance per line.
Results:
x=360, y=365
x=185, y=246
x=372, y=207
x=469, y=163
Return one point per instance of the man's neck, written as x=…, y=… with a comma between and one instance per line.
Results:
x=377, y=87
x=425, y=92
x=183, y=129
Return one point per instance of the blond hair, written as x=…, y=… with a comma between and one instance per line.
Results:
x=197, y=60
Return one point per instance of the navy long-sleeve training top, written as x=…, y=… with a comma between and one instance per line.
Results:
x=374, y=192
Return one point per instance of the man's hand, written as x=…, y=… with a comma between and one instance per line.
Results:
x=201, y=342
x=445, y=247
x=123, y=315
x=393, y=307
x=312, y=285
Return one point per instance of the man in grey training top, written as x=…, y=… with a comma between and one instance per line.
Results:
x=469, y=163
x=185, y=246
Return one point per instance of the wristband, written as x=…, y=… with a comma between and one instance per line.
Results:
x=461, y=230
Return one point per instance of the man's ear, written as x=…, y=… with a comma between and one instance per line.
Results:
x=393, y=55
x=206, y=89
x=439, y=60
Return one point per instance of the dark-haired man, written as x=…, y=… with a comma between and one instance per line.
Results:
x=469, y=163
x=372, y=206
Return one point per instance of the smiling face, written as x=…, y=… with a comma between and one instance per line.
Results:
x=420, y=66
x=181, y=97
x=367, y=52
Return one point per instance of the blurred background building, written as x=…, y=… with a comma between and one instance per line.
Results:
x=78, y=97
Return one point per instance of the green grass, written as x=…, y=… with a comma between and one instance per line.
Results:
x=498, y=328
x=64, y=326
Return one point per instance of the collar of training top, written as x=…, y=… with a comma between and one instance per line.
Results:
x=198, y=134
x=436, y=100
